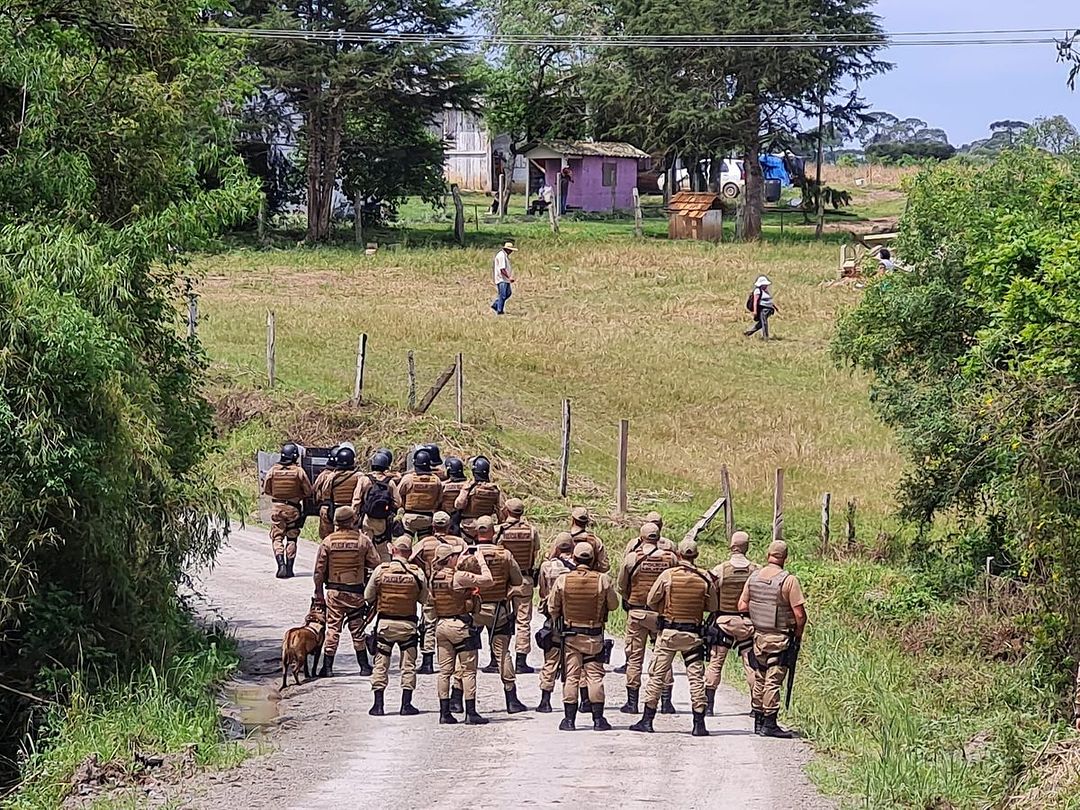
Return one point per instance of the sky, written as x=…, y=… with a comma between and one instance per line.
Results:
x=963, y=89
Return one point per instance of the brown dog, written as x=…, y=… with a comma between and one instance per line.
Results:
x=300, y=642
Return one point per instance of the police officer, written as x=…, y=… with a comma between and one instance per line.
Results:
x=395, y=588
x=522, y=540
x=376, y=501
x=774, y=599
x=640, y=569
x=336, y=486
x=732, y=629
x=680, y=595
x=582, y=598
x=496, y=613
x=342, y=564
x=551, y=570
x=455, y=635
x=451, y=487
x=579, y=530
x=288, y=486
x=435, y=458
x=658, y=540
x=423, y=554
x=420, y=491
x=481, y=497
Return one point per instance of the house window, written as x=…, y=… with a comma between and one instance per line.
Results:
x=610, y=173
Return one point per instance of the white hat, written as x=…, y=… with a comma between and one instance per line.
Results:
x=762, y=281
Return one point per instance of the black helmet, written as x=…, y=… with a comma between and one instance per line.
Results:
x=331, y=459
x=422, y=461
x=389, y=455
x=381, y=460
x=344, y=458
x=481, y=468
x=290, y=453
x=433, y=451
x=455, y=468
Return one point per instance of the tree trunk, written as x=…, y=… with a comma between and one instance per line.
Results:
x=820, y=159
x=324, y=124
x=716, y=163
x=754, y=192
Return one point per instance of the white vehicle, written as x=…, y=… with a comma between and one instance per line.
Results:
x=732, y=177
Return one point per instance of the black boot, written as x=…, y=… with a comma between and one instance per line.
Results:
x=513, y=705
x=427, y=665
x=281, y=570
x=455, y=700
x=406, y=703
x=757, y=721
x=645, y=723
x=666, y=706
x=492, y=665
x=471, y=717
x=545, y=702
x=570, y=712
x=598, y=721
x=585, y=706
x=630, y=707
x=327, y=666
x=289, y=567
x=361, y=659
x=522, y=664
x=699, y=725
x=376, y=709
x=770, y=729
x=445, y=718
x=710, y=701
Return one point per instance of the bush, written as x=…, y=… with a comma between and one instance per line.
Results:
x=915, y=150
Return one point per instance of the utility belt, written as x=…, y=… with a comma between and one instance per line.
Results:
x=294, y=504
x=392, y=617
x=464, y=618
x=341, y=586
x=628, y=607
x=419, y=512
x=572, y=630
x=732, y=613
x=682, y=627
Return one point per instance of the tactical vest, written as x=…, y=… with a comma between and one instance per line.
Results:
x=345, y=560
x=450, y=490
x=517, y=538
x=483, y=500
x=398, y=590
x=343, y=487
x=424, y=493
x=769, y=611
x=448, y=601
x=285, y=483
x=585, y=536
x=688, y=596
x=583, y=598
x=498, y=561
x=650, y=564
x=732, y=580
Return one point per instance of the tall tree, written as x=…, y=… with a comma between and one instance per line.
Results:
x=1055, y=134
x=1010, y=131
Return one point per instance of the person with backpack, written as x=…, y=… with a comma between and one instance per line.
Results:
x=376, y=502
x=760, y=305
x=336, y=486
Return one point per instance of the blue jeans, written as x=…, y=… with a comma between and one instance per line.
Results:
x=504, y=295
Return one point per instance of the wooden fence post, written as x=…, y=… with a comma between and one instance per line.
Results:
x=553, y=212
x=412, y=382
x=358, y=220
x=729, y=507
x=564, y=464
x=621, y=495
x=361, y=359
x=502, y=196
x=851, y=507
x=778, y=506
x=271, y=348
x=433, y=392
x=459, y=215
x=261, y=221
x=826, y=504
x=192, y=315
x=637, y=212
x=459, y=389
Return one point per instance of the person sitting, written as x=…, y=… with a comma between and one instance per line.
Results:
x=885, y=261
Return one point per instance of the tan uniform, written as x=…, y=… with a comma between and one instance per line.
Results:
x=396, y=587
x=550, y=572
x=665, y=544
x=736, y=628
x=522, y=540
x=423, y=554
x=477, y=499
x=450, y=491
x=601, y=562
x=496, y=611
x=681, y=595
x=377, y=529
x=453, y=592
x=640, y=569
x=421, y=496
x=341, y=567
x=288, y=486
x=772, y=593
x=583, y=598
x=333, y=488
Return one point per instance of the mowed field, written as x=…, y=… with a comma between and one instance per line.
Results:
x=637, y=328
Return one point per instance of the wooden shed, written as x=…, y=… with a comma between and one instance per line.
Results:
x=605, y=172
x=696, y=215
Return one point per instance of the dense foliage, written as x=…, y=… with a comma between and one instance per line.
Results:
x=975, y=361
x=918, y=150
x=113, y=160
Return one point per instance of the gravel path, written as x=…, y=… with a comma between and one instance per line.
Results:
x=323, y=747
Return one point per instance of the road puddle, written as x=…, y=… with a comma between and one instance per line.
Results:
x=254, y=708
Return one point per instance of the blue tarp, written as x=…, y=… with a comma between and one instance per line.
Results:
x=773, y=168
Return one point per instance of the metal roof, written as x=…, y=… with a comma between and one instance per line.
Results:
x=593, y=149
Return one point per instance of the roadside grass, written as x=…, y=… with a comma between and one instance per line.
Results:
x=169, y=709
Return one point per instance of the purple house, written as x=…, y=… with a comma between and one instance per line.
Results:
x=605, y=173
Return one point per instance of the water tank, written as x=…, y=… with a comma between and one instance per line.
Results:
x=772, y=191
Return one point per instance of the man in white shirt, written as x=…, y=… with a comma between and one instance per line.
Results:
x=502, y=276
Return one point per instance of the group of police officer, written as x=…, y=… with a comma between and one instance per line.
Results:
x=465, y=556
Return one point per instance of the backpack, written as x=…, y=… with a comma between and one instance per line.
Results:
x=378, y=505
x=750, y=300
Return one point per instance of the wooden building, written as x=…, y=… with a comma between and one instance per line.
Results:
x=473, y=156
x=697, y=215
x=605, y=173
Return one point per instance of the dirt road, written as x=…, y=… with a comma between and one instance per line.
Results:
x=326, y=749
